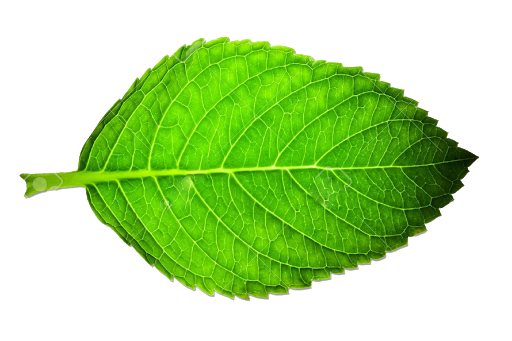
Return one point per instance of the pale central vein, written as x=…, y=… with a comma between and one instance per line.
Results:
x=82, y=178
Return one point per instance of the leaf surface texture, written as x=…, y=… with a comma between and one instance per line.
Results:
x=246, y=169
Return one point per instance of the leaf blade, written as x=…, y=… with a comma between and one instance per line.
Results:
x=247, y=169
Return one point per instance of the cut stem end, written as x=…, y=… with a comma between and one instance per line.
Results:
x=37, y=183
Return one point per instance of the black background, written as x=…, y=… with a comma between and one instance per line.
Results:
x=73, y=261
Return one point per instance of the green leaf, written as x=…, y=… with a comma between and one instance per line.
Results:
x=247, y=169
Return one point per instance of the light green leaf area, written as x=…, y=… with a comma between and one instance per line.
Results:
x=246, y=169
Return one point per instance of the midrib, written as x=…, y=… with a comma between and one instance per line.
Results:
x=83, y=178
x=117, y=175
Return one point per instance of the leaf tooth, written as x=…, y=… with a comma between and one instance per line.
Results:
x=240, y=42
x=143, y=79
x=216, y=42
x=261, y=45
x=282, y=48
x=161, y=62
x=188, y=50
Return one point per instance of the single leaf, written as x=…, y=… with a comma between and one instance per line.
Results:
x=247, y=169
